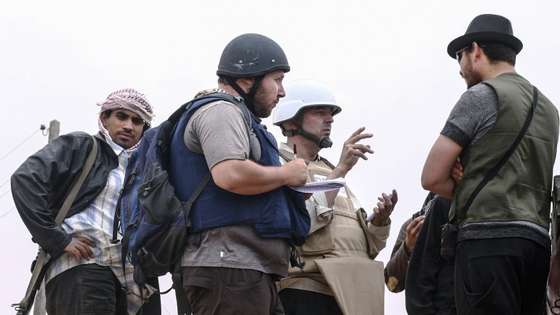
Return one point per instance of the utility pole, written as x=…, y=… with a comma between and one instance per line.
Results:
x=39, y=306
x=54, y=129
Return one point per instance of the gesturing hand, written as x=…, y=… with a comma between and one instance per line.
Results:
x=80, y=247
x=384, y=208
x=352, y=150
x=412, y=231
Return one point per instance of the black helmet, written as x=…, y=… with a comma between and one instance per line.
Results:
x=251, y=55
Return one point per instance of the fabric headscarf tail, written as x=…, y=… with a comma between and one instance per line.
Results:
x=131, y=100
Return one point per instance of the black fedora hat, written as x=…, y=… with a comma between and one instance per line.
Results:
x=486, y=28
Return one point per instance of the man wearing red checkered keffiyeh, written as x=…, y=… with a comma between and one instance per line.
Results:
x=124, y=115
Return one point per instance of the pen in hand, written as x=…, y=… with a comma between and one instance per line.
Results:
x=306, y=196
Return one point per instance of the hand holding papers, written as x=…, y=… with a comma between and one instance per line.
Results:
x=319, y=186
x=326, y=185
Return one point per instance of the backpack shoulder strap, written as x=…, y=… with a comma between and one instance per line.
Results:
x=213, y=97
x=239, y=103
x=196, y=193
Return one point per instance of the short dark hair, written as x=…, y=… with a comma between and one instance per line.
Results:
x=226, y=80
x=498, y=52
x=222, y=80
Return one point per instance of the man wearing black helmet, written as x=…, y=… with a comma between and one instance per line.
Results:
x=245, y=216
x=505, y=132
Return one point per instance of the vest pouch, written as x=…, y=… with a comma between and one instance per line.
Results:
x=370, y=242
x=299, y=217
x=165, y=227
x=157, y=198
x=319, y=242
x=162, y=251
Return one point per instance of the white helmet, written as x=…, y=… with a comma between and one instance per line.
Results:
x=302, y=94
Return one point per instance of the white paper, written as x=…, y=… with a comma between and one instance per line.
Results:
x=324, y=185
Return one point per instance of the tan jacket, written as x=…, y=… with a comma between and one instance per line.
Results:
x=339, y=252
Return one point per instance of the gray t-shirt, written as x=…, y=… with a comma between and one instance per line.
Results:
x=220, y=131
x=473, y=115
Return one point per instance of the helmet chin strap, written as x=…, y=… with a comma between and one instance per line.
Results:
x=323, y=143
x=247, y=97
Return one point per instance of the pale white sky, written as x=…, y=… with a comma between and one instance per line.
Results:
x=385, y=60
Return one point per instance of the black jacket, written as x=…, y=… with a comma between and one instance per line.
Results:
x=429, y=281
x=40, y=185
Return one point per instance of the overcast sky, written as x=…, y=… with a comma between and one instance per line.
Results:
x=386, y=62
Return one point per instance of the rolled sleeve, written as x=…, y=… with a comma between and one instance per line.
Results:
x=472, y=116
x=378, y=236
x=380, y=232
x=456, y=134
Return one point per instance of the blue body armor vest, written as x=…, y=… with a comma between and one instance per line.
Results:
x=279, y=213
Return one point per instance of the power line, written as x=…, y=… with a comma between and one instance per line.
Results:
x=19, y=144
x=42, y=128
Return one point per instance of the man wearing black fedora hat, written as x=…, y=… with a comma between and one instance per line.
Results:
x=504, y=132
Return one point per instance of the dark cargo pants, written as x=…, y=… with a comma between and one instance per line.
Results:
x=300, y=302
x=87, y=290
x=229, y=291
x=92, y=290
x=501, y=276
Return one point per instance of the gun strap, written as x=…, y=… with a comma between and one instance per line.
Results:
x=77, y=185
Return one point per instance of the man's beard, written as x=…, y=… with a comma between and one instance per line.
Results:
x=261, y=110
x=471, y=77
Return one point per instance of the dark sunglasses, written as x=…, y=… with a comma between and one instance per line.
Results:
x=122, y=116
x=459, y=53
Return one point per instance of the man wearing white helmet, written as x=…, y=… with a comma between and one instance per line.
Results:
x=86, y=274
x=339, y=275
